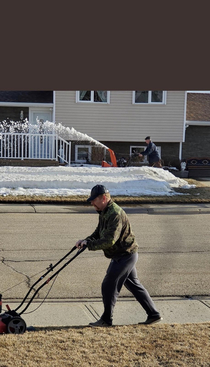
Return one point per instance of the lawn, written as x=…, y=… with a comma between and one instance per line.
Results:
x=166, y=345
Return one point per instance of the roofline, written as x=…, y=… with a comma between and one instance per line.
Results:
x=25, y=104
x=197, y=123
x=199, y=91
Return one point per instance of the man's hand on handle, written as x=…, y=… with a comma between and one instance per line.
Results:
x=81, y=243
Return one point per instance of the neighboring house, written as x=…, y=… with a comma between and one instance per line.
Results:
x=19, y=105
x=178, y=122
x=197, y=136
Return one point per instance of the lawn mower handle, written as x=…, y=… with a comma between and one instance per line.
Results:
x=50, y=278
x=49, y=269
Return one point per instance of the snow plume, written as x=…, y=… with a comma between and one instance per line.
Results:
x=8, y=126
x=46, y=127
x=70, y=133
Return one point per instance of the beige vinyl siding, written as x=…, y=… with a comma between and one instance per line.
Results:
x=121, y=120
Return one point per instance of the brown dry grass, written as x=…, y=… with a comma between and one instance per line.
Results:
x=124, y=346
x=200, y=194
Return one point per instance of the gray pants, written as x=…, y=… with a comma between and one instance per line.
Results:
x=122, y=271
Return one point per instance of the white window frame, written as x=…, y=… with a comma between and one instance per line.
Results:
x=92, y=98
x=142, y=147
x=149, y=99
x=76, y=153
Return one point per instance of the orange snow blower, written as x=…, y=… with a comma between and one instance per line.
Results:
x=113, y=160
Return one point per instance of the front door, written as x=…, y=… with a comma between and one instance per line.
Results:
x=41, y=146
x=44, y=114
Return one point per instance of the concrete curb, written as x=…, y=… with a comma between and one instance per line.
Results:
x=134, y=209
x=80, y=312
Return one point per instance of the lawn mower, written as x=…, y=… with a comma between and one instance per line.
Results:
x=11, y=321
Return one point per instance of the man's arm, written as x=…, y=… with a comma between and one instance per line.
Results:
x=148, y=150
x=109, y=235
x=94, y=235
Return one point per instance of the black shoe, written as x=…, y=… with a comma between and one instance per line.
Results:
x=99, y=323
x=151, y=320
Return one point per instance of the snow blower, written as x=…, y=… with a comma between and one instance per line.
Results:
x=113, y=160
x=11, y=321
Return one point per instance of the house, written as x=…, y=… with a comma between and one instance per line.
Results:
x=197, y=135
x=197, y=122
x=122, y=119
x=177, y=121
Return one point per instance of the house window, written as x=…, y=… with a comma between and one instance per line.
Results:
x=82, y=153
x=149, y=97
x=93, y=96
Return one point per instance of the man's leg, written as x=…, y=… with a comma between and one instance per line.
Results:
x=117, y=273
x=122, y=271
x=133, y=284
x=157, y=164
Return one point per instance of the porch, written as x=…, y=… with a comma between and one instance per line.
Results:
x=36, y=149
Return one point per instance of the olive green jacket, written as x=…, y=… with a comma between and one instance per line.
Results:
x=113, y=234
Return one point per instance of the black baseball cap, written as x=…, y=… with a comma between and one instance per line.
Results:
x=147, y=138
x=96, y=191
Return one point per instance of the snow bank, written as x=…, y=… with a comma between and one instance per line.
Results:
x=65, y=181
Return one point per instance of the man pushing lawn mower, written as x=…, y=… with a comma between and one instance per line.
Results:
x=114, y=236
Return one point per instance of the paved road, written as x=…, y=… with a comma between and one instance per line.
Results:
x=174, y=249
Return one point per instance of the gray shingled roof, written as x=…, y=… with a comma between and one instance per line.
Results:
x=27, y=96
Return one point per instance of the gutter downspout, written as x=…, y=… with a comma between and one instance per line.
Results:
x=54, y=106
x=184, y=127
x=180, y=151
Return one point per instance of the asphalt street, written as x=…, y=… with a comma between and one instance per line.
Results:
x=173, y=263
x=174, y=249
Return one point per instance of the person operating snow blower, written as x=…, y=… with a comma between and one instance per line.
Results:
x=152, y=153
x=115, y=237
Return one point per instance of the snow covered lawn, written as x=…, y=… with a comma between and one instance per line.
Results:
x=70, y=181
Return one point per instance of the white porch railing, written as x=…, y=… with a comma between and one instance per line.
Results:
x=63, y=149
x=34, y=146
